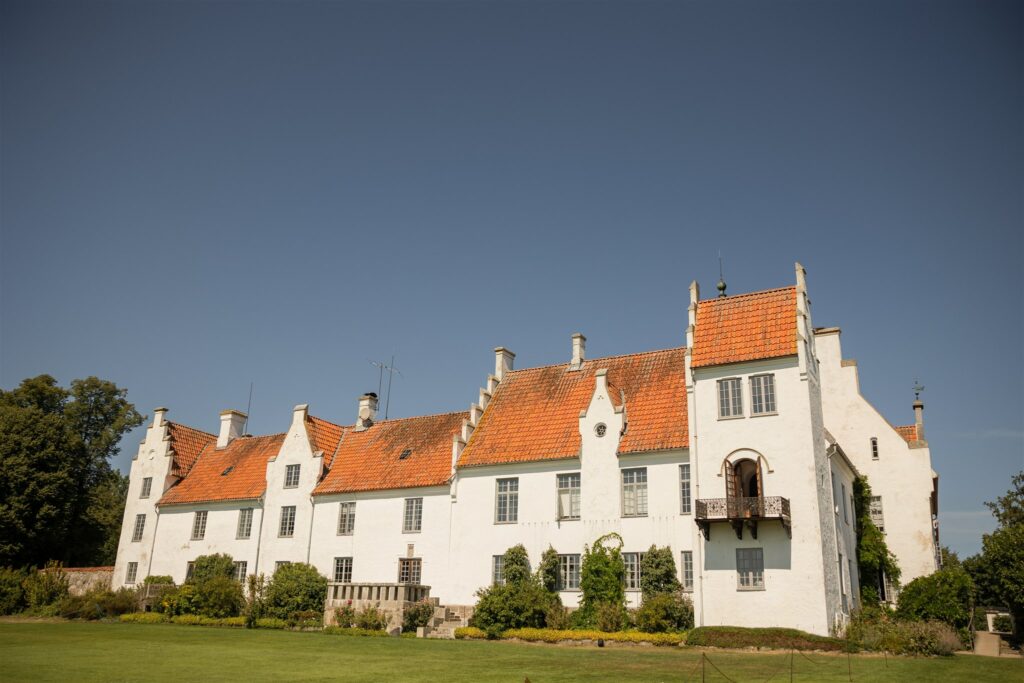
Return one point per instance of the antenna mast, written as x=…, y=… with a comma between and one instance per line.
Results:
x=248, y=409
x=391, y=370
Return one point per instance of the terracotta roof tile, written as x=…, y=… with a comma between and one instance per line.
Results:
x=745, y=327
x=370, y=460
x=534, y=414
x=235, y=472
x=186, y=445
x=324, y=436
x=908, y=432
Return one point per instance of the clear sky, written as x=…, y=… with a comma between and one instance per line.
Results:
x=196, y=196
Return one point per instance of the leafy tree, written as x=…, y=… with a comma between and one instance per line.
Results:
x=658, y=573
x=998, y=572
x=516, y=565
x=296, y=587
x=668, y=611
x=944, y=596
x=548, y=570
x=602, y=578
x=873, y=555
x=207, y=567
x=1009, y=509
x=949, y=557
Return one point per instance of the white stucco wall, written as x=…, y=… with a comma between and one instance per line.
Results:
x=175, y=547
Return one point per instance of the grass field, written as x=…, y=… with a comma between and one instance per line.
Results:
x=75, y=651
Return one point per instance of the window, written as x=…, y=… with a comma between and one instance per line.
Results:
x=762, y=394
x=199, y=525
x=750, y=569
x=569, y=496
x=241, y=568
x=634, y=492
x=687, y=563
x=413, y=520
x=877, y=516
x=497, y=570
x=409, y=570
x=343, y=570
x=842, y=584
x=291, y=476
x=568, y=572
x=244, y=523
x=874, y=448
x=845, y=518
x=685, y=500
x=287, y=527
x=601, y=430
x=506, y=504
x=131, y=572
x=889, y=592
x=730, y=398
x=633, y=562
x=147, y=487
x=347, y=518
x=281, y=563
x=189, y=568
x=140, y=526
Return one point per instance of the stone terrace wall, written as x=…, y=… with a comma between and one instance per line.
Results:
x=83, y=579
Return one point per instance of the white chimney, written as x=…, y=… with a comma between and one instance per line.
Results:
x=367, y=411
x=232, y=422
x=579, y=345
x=919, y=418
x=503, y=359
x=158, y=416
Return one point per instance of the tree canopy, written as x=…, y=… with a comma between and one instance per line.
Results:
x=998, y=571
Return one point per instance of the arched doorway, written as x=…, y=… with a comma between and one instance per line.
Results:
x=743, y=488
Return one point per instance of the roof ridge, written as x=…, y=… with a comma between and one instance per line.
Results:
x=417, y=417
x=746, y=294
x=194, y=429
x=594, y=360
x=321, y=419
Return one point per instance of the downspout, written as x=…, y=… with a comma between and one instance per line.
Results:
x=312, y=514
x=152, y=546
x=259, y=537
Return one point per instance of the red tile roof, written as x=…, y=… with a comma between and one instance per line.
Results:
x=908, y=432
x=324, y=436
x=186, y=445
x=745, y=327
x=370, y=460
x=534, y=414
x=235, y=472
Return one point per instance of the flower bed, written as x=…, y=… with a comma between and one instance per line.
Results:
x=547, y=635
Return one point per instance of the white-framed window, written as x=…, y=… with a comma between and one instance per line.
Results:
x=199, y=525
x=685, y=499
x=131, y=572
x=241, y=569
x=281, y=563
x=244, y=523
x=409, y=570
x=497, y=570
x=287, y=527
x=343, y=570
x=568, y=572
x=506, y=501
x=762, y=395
x=569, y=495
x=846, y=519
x=633, y=562
x=140, y=526
x=291, y=476
x=686, y=561
x=412, y=521
x=147, y=487
x=730, y=397
x=347, y=518
x=874, y=448
x=634, y=492
x=750, y=569
x=877, y=515
x=189, y=568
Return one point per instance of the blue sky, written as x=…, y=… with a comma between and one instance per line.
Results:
x=196, y=196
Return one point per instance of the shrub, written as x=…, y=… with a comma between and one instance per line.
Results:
x=602, y=579
x=98, y=604
x=469, y=633
x=943, y=596
x=417, y=615
x=544, y=635
x=159, y=579
x=516, y=567
x=611, y=617
x=658, y=573
x=219, y=597
x=770, y=638
x=548, y=570
x=1002, y=623
x=339, y=631
x=143, y=618
x=182, y=600
x=295, y=587
x=665, y=612
x=879, y=630
x=512, y=606
x=305, y=619
x=207, y=567
x=271, y=622
x=371, y=619
x=345, y=616
x=557, y=617
x=255, y=599
x=46, y=586
x=12, y=595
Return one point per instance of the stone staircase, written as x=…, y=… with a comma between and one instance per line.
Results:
x=447, y=619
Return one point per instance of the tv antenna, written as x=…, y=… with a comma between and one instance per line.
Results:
x=248, y=409
x=721, y=278
x=389, y=368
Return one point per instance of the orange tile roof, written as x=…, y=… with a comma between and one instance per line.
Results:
x=186, y=445
x=908, y=432
x=369, y=460
x=246, y=457
x=534, y=414
x=324, y=436
x=745, y=327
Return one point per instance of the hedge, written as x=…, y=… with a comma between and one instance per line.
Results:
x=768, y=638
x=365, y=632
x=547, y=635
x=200, y=620
x=144, y=618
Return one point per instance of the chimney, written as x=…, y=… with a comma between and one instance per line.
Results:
x=919, y=418
x=503, y=359
x=367, y=411
x=158, y=416
x=579, y=346
x=232, y=422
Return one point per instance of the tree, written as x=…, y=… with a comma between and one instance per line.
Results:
x=547, y=571
x=1009, y=509
x=516, y=565
x=944, y=596
x=658, y=573
x=998, y=572
x=206, y=567
x=296, y=587
x=602, y=579
x=874, y=559
x=59, y=497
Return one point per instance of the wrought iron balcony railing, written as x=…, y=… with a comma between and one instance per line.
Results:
x=740, y=512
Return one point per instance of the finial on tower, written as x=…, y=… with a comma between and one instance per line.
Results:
x=721, y=278
x=917, y=390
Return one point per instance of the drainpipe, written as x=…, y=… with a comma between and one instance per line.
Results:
x=152, y=546
x=312, y=514
x=259, y=537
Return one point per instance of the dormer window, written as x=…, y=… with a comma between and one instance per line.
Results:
x=405, y=454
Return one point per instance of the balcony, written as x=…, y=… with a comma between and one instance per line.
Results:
x=742, y=512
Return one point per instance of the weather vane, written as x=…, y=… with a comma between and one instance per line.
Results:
x=918, y=388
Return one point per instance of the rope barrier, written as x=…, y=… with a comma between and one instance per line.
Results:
x=708, y=660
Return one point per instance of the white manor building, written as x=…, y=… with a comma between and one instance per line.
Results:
x=738, y=451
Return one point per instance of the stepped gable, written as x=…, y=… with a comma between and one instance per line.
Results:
x=745, y=327
x=186, y=443
x=324, y=436
x=236, y=472
x=534, y=413
x=908, y=432
x=375, y=459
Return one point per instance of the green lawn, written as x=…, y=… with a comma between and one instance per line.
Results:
x=72, y=651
